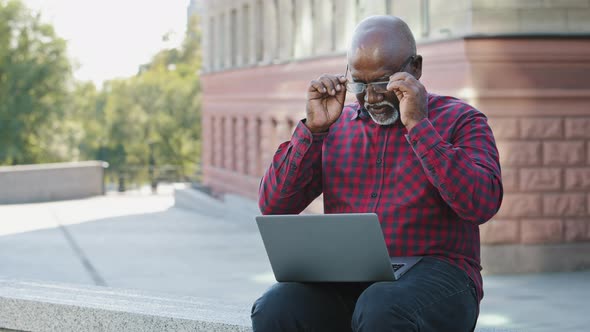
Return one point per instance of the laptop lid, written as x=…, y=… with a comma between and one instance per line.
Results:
x=326, y=247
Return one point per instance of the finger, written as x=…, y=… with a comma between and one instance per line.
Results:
x=400, y=85
x=317, y=86
x=330, y=83
x=402, y=75
x=342, y=83
x=341, y=96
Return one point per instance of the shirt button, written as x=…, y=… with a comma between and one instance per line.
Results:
x=379, y=161
x=373, y=195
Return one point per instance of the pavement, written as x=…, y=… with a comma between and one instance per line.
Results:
x=138, y=240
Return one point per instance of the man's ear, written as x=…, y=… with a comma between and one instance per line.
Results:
x=417, y=67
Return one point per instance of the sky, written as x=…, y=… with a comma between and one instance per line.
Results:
x=112, y=38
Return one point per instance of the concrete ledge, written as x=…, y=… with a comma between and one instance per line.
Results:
x=520, y=258
x=50, y=182
x=34, y=306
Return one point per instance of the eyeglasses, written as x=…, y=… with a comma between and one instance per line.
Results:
x=378, y=87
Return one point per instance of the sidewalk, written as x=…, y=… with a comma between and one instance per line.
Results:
x=140, y=241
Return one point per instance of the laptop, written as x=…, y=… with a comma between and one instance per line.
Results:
x=329, y=248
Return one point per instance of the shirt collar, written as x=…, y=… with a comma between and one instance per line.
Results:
x=359, y=112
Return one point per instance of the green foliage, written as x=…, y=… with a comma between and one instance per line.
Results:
x=34, y=74
x=153, y=118
x=147, y=120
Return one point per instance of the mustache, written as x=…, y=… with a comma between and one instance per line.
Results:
x=380, y=104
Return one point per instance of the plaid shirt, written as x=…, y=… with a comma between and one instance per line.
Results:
x=431, y=187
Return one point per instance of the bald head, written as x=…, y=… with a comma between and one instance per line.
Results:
x=381, y=47
x=382, y=37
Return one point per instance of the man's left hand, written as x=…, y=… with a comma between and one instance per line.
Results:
x=412, y=96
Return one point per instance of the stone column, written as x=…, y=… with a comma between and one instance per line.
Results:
x=345, y=21
x=411, y=13
x=240, y=145
x=240, y=40
x=206, y=40
x=228, y=156
x=254, y=140
x=282, y=131
x=270, y=31
x=323, y=25
x=207, y=140
x=286, y=29
x=267, y=138
x=375, y=7
x=252, y=37
x=304, y=29
x=226, y=35
x=219, y=44
x=217, y=142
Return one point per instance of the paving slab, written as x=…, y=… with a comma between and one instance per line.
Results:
x=141, y=241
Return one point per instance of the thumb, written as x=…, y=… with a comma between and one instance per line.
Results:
x=341, y=96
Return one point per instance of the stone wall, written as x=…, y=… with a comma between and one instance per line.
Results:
x=525, y=64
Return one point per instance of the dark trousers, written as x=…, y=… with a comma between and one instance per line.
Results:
x=432, y=296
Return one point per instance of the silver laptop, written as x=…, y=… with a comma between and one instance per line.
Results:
x=329, y=248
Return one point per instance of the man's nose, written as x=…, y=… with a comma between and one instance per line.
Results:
x=371, y=96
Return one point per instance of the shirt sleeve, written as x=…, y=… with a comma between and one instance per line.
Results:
x=294, y=178
x=466, y=170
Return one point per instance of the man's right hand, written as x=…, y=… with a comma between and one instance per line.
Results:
x=325, y=101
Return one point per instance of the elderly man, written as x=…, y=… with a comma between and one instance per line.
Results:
x=426, y=164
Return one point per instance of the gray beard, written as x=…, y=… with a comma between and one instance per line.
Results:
x=385, y=119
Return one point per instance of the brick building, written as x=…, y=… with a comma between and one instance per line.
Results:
x=525, y=64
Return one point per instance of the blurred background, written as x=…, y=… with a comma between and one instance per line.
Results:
x=133, y=136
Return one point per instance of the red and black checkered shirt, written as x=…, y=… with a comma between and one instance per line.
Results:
x=431, y=187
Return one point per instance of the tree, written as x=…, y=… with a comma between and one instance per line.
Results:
x=153, y=118
x=34, y=76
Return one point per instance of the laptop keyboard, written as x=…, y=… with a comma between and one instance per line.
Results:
x=397, y=266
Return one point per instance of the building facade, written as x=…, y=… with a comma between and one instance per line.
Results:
x=524, y=63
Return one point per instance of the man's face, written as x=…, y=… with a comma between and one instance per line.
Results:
x=382, y=106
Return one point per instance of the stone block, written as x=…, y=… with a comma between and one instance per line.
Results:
x=494, y=21
x=545, y=20
x=541, y=231
x=448, y=25
x=500, y=231
x=578, y=127
x=542, y=127
x=578, y=20
x=563, y=152
x=577, y=179
x=520, y=205
x=563, y=205
x=410, y=12
x=444, y=6
x=504, y=127
x=577, y=4
x=576, y=230
x=520, y=153
x=510, y=179
x=540, y=179
x=506, y=4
